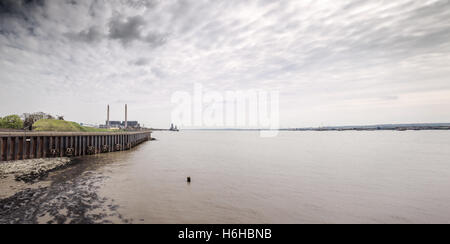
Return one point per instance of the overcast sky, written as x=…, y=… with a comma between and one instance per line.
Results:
x=334, y=62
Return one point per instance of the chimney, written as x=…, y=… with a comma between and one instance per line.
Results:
x=126, y=116
x=107, y=117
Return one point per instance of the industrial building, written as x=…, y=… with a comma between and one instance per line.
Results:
x=120, y=124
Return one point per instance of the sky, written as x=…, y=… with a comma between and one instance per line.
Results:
x=333, y=62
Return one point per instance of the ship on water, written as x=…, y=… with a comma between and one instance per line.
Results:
x=173, y=128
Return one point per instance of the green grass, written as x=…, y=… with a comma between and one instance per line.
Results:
x=63, y=126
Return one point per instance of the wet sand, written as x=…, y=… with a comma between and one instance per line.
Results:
x=53, y=191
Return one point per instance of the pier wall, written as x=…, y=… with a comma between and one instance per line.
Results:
x=29, y=145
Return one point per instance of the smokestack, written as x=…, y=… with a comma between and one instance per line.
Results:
x=107, y=117
x=126, y=116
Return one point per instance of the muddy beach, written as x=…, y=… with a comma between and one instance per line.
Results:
x=53, y=191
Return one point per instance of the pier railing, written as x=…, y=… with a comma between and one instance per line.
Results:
x=29, y=145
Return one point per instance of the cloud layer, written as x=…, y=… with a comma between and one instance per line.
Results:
x=334, y=62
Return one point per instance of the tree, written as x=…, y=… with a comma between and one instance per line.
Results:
x=11, y=122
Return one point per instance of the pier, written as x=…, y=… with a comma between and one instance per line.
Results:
x=30, y=145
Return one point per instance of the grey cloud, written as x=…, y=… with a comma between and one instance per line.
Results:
x=126, y=29
x=19, y=13
x=129, y=29
x=93, y=34
x=156, y=39
x=19, y=8
x=140, y=62
x=139, y=4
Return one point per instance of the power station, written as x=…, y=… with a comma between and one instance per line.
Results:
x=120, y=124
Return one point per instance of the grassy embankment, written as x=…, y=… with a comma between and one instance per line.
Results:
x=64, y=126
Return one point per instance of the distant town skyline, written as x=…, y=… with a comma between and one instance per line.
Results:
x=333, y=62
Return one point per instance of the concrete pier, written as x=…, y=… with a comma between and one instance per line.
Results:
x=29, y=145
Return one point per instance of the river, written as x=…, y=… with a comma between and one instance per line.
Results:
x=238, y=177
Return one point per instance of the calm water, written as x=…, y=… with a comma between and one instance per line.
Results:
x=297, y=177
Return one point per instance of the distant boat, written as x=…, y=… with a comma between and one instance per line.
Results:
x=173, y=128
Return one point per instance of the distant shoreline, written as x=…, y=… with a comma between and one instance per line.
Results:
x=381, y=127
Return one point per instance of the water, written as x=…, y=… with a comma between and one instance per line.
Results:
x=296, y=177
